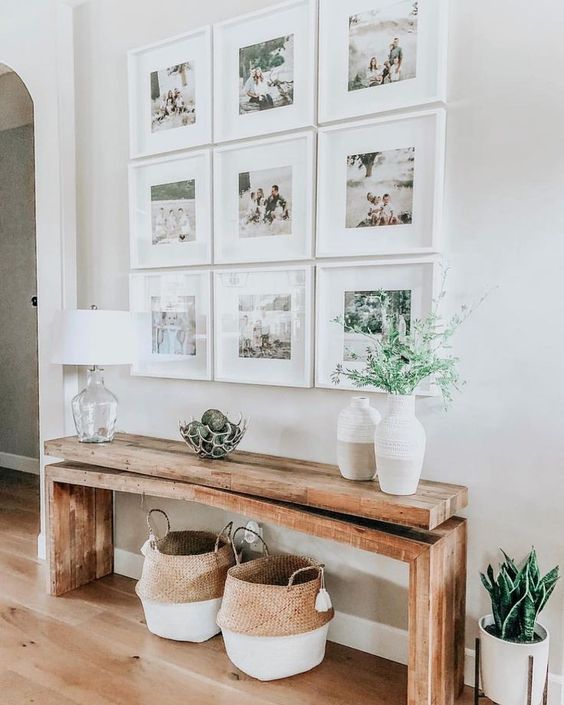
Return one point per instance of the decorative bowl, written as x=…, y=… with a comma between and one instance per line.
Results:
x=214, y=445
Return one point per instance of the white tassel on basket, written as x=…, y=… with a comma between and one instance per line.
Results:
x=323, y=600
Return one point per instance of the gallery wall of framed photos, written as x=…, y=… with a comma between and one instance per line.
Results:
x=286, y=170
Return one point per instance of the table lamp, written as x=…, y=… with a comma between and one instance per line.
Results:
x=94, y=338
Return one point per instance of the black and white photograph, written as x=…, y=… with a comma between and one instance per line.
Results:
x=264, y=199
x=172, y=317
x=370, y=313
x=383, y=45
x=173, y=325
x=173, y=212
x=360, y=303
x=173, y=97
x=265, y=202
x=265, y=326
x=266, y=75
x=262, y=326
x=380, y=188
x=170, y=219
x=170, y=94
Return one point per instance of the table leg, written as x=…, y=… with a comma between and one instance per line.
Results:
x=460, y=538
x=80, y=535
x=436, y=624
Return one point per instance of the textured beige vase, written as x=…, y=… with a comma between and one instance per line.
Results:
x=355, y=440
x=399, y=441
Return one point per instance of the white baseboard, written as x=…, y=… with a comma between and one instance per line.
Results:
x=358, y=633
x=128, y=563
x=19, y=462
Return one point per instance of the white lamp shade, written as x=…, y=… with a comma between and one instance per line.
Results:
x=92, y=337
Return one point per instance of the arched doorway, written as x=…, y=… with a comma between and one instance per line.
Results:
x=19, y=386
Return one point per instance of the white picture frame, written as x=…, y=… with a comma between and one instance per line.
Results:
x=172, y=318
x=170, y=222
x=405, y=150
x=348, y=88
x=187, y=120
x=342, y=287
x=291, y=30
x=280, y=300
x=278, y=226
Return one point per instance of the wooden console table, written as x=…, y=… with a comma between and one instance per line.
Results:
x=420, y=530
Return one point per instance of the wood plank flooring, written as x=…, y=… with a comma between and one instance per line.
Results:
x=91, y=646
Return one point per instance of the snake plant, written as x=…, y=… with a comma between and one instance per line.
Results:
x=518, y=595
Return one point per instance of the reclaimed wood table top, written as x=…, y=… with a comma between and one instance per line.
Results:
x=296, y=481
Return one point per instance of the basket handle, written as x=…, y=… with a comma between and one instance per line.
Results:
x=151, y=532
x=244, y=528
x=227, y=531
x=319, y=568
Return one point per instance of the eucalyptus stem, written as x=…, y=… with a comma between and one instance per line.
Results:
x=397, y=362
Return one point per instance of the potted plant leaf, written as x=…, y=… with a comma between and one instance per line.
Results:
x=399, y=356
x=511, y=633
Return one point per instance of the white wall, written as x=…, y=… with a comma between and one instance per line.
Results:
x=504, y=221
x=29, y=32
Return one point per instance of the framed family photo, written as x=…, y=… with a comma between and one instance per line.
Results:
x=170, y=94
x=366, y=296
x=264, y=71
x=263, y=199
x=379, y=55
x=380, y=186
x=172, y=314
x=170, y=211
x=263, y=326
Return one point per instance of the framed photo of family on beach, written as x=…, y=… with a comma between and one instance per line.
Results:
x=263, y=326
x=379, y=55
x=264, y=71
x=380, y=186
x=170, y=216
x=172, y=318
x=359, y=299
x=170, y=94
x=263, y=198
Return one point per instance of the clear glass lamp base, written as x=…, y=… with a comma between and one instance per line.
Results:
x=95, y=410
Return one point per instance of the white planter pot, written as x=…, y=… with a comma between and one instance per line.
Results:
x=186, y=621
x=504, y=666
x=271, y=657
x=399, y=442
x=355, y=440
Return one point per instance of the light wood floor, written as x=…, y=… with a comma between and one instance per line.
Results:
x=91, y=647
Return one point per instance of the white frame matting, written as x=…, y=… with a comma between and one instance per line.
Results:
x=171, y=285
x=423, y=131
x=230, y=366
x=297, y=17
x=296, y=151
x=154, y=172
x=334, y=279
x=193, y=47
x=336, y=102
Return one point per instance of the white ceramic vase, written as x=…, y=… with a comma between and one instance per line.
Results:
x=355, y=440
x=399, y=442
x=504, y=666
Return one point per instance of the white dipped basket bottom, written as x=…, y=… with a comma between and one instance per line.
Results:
x=183, y=580
x=275, y=615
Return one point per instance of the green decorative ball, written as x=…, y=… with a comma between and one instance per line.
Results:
x=193, y=429
x=214, y=419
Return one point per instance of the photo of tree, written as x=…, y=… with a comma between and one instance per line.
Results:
x=380, y=188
